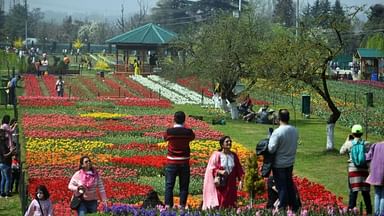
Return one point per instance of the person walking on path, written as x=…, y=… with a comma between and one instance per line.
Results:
x=178, y=138
x=41, y=205
x=15, y=173
x=60, y=87
x=37, y=67
x=283, y=143
x=376, y=175
x=356, y=174
x=12, y=90
x=84, y=183
x=225, y=164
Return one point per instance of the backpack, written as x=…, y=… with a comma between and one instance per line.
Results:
x=358, y=153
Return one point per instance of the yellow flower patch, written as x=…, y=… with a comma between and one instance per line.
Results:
x=193, y=202
x=61, y=158
x=102, y=115
x=64, y=145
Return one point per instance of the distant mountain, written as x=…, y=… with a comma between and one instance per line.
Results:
x=58, y=17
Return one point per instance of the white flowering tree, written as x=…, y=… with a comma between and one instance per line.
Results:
x=224, y=50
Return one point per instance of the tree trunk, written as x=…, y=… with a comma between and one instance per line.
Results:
x=224, y=105
x=217, y=101
x=234, y=111
x=335, y=112
x=330, y=136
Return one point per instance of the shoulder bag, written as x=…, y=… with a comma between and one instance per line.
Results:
x=75, y=201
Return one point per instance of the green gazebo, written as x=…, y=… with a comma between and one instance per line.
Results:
x=371, y=62
x=142, y=40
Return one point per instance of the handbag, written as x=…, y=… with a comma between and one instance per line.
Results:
x=220, y=180
x=75, y=202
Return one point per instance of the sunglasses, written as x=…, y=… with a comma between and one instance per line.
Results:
x=87, y=161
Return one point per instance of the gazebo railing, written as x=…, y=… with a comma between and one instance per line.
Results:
x=144, y=69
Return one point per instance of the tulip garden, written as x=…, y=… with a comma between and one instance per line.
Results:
x=119, y=122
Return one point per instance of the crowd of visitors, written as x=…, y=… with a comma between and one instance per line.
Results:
x=9, y=165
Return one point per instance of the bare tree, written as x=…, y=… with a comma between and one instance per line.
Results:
x=121, y=21
x=139, y=17
x=143, y=5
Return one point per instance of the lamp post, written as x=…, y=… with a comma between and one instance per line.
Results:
x=26, y=24
x=297, y=17
x=237, y=13
x=45, y=41
x=239, y=7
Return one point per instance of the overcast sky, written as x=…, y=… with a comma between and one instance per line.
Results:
x=113, y=7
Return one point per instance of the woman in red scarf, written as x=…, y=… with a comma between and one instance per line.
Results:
x=222, y=162
x=84, y=183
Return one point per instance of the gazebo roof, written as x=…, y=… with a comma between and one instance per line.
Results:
x=370, y=53
x=146, y=34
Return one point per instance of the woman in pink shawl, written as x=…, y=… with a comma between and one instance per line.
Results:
x=222, y=162
x=84, y=183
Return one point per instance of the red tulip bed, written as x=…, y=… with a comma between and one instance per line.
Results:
x=32, y=87
x=372, y=83
x=127, y=149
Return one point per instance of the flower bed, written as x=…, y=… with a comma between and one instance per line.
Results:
x=32, y=87
x=40, y=101
x=128, y=158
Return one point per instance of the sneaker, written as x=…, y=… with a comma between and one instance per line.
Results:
x=8, y=195
x=2, y=194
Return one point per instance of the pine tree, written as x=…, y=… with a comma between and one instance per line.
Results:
x=284, y=13
x=207, y=8
x=172, y=13
x=316, y=10
x=375, y=17
x=338, y=9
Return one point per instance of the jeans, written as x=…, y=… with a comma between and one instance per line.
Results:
x=87, y=206
x=285, y=187
x=171, y=171
x=379, y=200
x=366, y=197
x=15, y=179
x=12, y=96
x=60, y=93
x=5, y=178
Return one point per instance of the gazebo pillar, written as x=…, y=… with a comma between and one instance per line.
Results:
x=126, y=61
x=117, y=60
x=142, y=57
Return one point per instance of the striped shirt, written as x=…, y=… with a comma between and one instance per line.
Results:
x=178, y=139
x=90, y=193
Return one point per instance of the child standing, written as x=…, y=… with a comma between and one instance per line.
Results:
x=60, y=87
x=15, y=167
x=41, y=204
